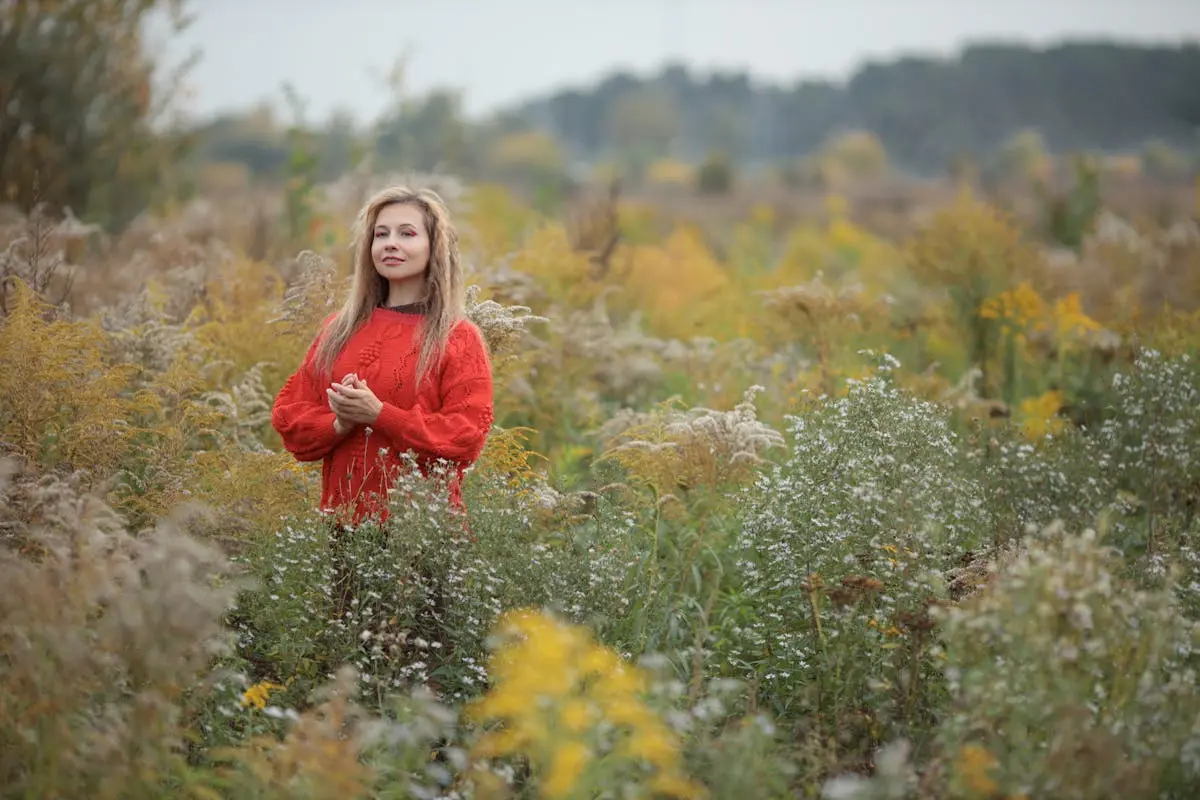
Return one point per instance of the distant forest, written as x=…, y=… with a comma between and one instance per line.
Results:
x=925, y=111
x=82, y=125
x=919, y=115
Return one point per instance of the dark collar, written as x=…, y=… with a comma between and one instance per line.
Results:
x=408, y=308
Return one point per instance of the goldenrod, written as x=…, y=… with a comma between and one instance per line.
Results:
x=574, y=708
x=258, y=694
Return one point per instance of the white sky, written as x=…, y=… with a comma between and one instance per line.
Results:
x=336, y=51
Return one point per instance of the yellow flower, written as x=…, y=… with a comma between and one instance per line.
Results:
x=502, y=704
x=258, y=694
x=1018, y=308
x=576, y=714
x=1039, y=415
x=598, y=661
x=675, y=786
x=566, y=767
x=621, y=681
x=1069, y=318
x=557, y=695
x=626, y=711
x=500, y=742
x=653, y=746
x=972, y=767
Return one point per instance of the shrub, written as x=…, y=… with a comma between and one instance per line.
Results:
x=842, y=554
x=1068, y=681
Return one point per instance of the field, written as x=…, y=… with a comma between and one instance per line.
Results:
x=854, y=495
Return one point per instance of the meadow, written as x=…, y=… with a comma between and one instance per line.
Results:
x=806, y=499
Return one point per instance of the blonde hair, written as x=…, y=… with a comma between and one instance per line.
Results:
x=443, y=296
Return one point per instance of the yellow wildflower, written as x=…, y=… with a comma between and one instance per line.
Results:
x=598, y=661
x=1018, y=309
x=1070, y=319
x=675, y=786
x=972, y=767
x=1039, y=415
x=501, y=742
x=258, y=694
x=653, y=746
x=576, y=715
x=559, y=698
x=566, y=767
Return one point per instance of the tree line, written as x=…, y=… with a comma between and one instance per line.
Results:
x=1095, y=95
x=83, y=122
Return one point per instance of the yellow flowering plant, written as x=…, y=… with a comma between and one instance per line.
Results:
x=575, y=710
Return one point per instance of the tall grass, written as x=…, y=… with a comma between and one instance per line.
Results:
x=801, y=511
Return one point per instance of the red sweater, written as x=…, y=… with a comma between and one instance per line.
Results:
x=448, y=417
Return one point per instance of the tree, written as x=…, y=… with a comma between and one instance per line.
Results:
x=1023, y=157
x=853, y=155
x=642, y=124
x=1160, y=160
x=78, y=107
x=532, y=158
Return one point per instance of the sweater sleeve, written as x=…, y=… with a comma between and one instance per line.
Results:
x=458, y=430
x=301, y=414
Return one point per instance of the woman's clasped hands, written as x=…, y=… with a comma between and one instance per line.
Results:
x=353, y=403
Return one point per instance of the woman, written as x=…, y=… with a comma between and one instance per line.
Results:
x=398, y=369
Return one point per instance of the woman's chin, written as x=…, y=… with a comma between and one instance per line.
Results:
x=398, y=273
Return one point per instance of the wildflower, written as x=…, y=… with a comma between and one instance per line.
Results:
x=1040, y=415
x=653, y=747
x=258, y=694
x=566, y=766
x=1070, y=319
x=1017, y=309
x=973, y=765
x=574, y=708
x=576, y=714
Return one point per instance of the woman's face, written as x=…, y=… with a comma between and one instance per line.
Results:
x=400, y=244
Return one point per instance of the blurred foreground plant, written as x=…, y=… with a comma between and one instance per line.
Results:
x=575, y=709
x=102, y=633
x=1069, y=682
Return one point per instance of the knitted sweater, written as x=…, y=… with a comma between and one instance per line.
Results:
x=447, y=417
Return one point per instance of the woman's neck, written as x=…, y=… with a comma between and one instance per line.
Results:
x=405, y=293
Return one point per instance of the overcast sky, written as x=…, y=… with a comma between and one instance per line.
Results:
x=498, y=51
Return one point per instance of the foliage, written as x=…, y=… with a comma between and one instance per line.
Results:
x=845, y=543
x=747, y=524
x=675, y=450
x=715, y=174
x=81, y=104
x=575, y=708
x=1115, y=714
x=974, y=252
x=1071, y=214
x=103, y=634
x=70, y=412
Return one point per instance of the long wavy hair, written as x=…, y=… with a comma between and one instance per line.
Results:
x=444, y=294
